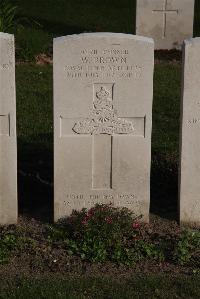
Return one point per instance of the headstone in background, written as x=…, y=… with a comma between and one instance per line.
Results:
x=168, y=22
x=8, y=141
x=103, y=89
x=190, y=136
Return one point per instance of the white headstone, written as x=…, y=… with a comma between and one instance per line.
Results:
x=168, y=22
x=103, y=89
x=190, y=137
x=8, y=147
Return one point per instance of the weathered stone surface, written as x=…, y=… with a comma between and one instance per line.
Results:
x=168, y=22
x=190, y=135
x=8, y=147
x=103, y=89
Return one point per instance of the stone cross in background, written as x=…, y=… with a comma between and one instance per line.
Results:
x=8, y=146
x=168, y=22
x=103, y=90
x=165, y=11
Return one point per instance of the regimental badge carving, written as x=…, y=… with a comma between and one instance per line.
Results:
x=103, y=119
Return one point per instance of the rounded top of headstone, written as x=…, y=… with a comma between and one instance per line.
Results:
x=105, y=35
x=192, y=40
x=6, y=36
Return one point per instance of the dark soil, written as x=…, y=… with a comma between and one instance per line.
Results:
x=47, y=260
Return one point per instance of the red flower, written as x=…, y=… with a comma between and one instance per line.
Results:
x=85, y=220
x=109, y=220
x=135, y=225
x=91, y=212
x=105, y=207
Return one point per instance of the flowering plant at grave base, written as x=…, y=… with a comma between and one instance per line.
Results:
x=105, y=233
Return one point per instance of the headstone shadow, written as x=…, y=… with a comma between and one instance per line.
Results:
x=35, y=179
x=164, y=187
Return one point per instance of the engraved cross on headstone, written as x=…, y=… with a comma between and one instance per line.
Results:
x=165, y=12
x=103, y=124
x=4, y=124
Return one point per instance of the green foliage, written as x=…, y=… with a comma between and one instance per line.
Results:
x=196, y=271
x=8, y=16
x=136, y=252
x=151, y=250
x=105, y=233
x=187, y=248
x=31, y=42
x=8, y=242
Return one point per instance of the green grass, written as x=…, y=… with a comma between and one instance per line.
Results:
x=34, y=104
x=166, y=108
x=88, y=287
x=35, y=118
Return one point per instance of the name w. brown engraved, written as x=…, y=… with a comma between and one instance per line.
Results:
x=104, y=59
